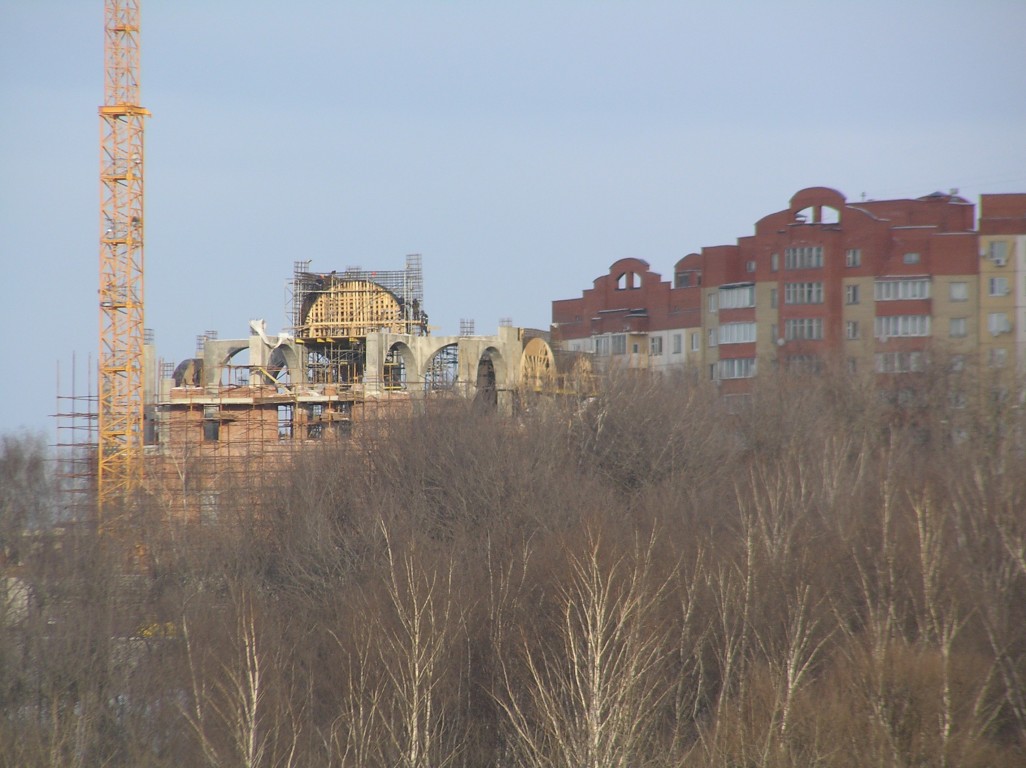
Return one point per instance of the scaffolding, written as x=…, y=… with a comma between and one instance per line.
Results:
x=352, y=303
x=75, y=450
x=333, y=312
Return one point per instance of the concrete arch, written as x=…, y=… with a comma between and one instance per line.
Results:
x=293, y=362
x=503, y=351
x=409, y=360
x=217, y=353
x=501, y=366
x=440, y=372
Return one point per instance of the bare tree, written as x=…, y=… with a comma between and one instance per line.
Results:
x=237, y=719
x=593, y=697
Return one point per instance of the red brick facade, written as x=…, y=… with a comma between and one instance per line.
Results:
x=872, y=283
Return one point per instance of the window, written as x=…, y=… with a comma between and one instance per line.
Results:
x=635, y=349
x=998, y=357
x=998, y=252
x=627, y=281
x=712, y=301
x=677, y=344
x=803, y=293
x=910, y=258
x=688, y=278
x=618, y=344
x=211, y=423
x=902, y=325
x=209, y=503
x=803, y=328
x=804, y=257
x=999, y=286
x=957, y=327
x=737, y=368
x=997, y=323
x=696, y=342
x=851, y=294
x=712, y=337
x=737, y=296
x=853, y=257
x=774, y=262
x=750, y=265
x=804, y=364
x=896, y=290
x=655, y=345
x=851, y=329
x=853, y=365
x=958, y=291
x=899, y=362
x=737, y=333
x=315, y=428
x=773, y=298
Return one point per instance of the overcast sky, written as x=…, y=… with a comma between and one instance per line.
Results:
x=520, y=147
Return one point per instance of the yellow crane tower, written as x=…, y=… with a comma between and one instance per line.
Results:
x=121, y=358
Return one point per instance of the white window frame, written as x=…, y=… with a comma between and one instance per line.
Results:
x=901, y=326
x=997, y=286
x=803, y=328
x=803, y=257
x=899, y=362
x=737, y=296
x=997, y=251
x=901, y=290
x=998, y=323
x=803, y=293
x=737, y=333
x=737, y=368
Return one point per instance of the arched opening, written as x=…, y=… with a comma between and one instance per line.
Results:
x=276, y=372
x=234, y=370
x=441, y=374
x=818, y=214
x=627, y=280
x=395, y=371
x=487, y=392
x=537, y=366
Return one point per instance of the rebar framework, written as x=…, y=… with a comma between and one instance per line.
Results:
x=120, y=383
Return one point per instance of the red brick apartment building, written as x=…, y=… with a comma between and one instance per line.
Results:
x=873, y=285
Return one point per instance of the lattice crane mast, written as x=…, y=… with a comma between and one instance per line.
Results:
x=121, y=358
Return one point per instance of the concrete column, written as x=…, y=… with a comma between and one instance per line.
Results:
x=374, y=364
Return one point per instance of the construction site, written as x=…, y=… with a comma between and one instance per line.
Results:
x=358, y=355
